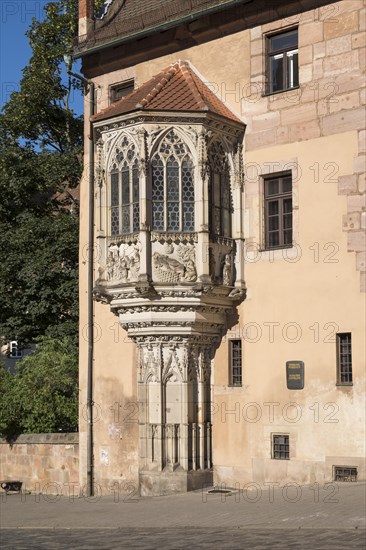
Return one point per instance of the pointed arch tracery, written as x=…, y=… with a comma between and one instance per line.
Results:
x=124, y=188
x=172, y=186
x=220, y=197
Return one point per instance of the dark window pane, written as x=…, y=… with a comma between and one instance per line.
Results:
x=173, y=181
x=135, y=180
x=272, y=187
x=287, y=221
x=287, y=184
x=114, y=190
x=273, y=223
x=273, y=208
x=287, y=205
x=286, y=40
x=217, y=189
x=287, y=236
x=121, y=90
x=274, y=239
x=276, y=73
x=125, y=186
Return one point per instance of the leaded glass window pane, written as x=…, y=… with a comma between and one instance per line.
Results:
x=115, y=220
x=173, y=180
x=135, y=198
x=114, y=190
x=172, y=186
x=188, y=195
x=125, y=209
x=126, y=221
x=158, y=194
x=173, y=216
x=220, y=207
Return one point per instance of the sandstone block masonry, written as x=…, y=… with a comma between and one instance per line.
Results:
x=330, y=99
x=44, y=463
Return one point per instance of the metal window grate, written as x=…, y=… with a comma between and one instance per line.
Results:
x=344, y=358
x=345, y=473
x=235, y=363
x=281, y=447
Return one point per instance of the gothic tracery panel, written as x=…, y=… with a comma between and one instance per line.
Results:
x=124, y=189
x=172, y=186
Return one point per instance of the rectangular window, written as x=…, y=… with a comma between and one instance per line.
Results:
x=282, y=61
x=120, y=90
x=13, y=349
x=344, y=359
x=281, y=447
x=235, y=362
x=345, y=473
x=278, y=210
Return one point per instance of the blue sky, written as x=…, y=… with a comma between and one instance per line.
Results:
x=16, y=16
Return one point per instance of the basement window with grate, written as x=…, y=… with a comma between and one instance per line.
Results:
x=281, y=446
x=345, y=473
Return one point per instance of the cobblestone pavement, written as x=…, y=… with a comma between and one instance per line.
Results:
x=174, y=539
x=315, y=517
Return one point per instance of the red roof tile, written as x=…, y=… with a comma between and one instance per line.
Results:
x=177, y=88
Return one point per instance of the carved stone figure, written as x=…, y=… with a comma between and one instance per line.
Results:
x=135, y=262
x=227, y=271
x=190, y=271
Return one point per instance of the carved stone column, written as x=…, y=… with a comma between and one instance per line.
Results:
x=173, y=387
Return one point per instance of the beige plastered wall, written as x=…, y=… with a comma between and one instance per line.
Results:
x=317, y=287
x=298, y=299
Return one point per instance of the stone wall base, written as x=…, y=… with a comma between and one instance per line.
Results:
x=166, y=483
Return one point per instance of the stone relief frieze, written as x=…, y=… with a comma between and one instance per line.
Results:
x=173, y=263
x=122, y=264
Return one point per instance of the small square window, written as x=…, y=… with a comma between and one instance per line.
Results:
x=117, y=91
x=235, y=363
x=282, y=61
x=344, y=359
x=278, y=211
x=281, y=447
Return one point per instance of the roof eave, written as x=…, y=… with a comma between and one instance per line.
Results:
x=158, y=28
x=161, y=113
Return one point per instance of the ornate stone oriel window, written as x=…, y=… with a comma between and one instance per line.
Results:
x=219, y=190
x=172, y=186
x=124, y=199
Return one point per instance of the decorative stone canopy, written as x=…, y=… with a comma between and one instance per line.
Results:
x=170, y=234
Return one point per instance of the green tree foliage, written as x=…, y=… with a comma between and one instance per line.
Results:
x=42, y=396
x=40, y=163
